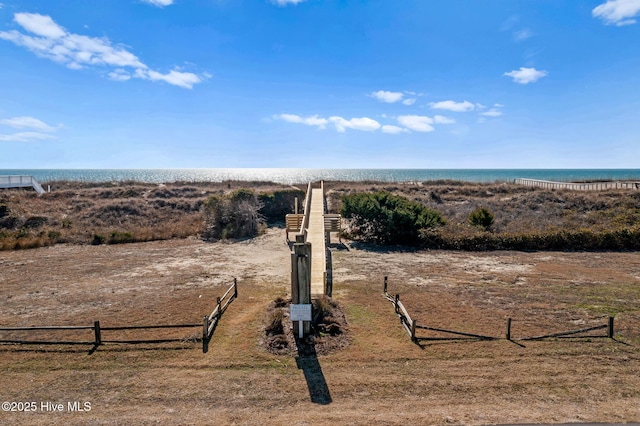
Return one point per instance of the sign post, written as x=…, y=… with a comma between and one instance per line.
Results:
x=300, y=313
x=301, y=283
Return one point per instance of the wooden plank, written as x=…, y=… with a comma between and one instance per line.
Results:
x=150, y=327
x=567, y=333
x=459, y=333
x=49, y=327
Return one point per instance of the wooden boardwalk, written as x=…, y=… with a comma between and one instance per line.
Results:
x=316, y=237
x=593, y=186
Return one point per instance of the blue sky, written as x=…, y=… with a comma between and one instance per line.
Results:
x=320, y=83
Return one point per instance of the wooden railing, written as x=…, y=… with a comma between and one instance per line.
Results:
x=577, y=186
x=20, y=181
x=210, y=322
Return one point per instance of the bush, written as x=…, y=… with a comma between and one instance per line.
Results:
x=481, y=217
x=279, y=203
x=385, y=218
x=235, y=215
x=121, y=237
x=98, y=239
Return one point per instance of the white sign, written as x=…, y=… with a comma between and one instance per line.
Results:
x=300, y=312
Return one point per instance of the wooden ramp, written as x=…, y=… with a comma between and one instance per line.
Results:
x=315, y=236
x=313, y=228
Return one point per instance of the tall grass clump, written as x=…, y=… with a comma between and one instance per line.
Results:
x=384, y=218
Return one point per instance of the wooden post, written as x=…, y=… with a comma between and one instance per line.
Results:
x=295, y=298
x=385, y=285
x=97, y=333
x=303, y=263
x=508, y=328
x=396, y=303
x=295, y=206
x=205, y=334
x=610, y=330
x=413, y=331
x=235, y=288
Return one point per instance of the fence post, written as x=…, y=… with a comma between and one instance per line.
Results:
x=219, y=307
x=610, y=331
x=413, y=331
x=508, y=328
x=385, y=285
x=97, y=333
x=396, y=303
x=205, y=334
x=235, y=288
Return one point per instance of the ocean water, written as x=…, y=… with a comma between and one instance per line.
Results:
x=291, y=176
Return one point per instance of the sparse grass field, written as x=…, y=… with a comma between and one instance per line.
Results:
x=380, y=376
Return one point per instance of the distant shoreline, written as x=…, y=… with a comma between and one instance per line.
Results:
x=297, y=176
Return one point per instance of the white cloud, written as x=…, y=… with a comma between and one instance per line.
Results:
x=409, y=101
x=313, y=120
x=27, y=123
x=387, y=128
x=39, y=25
x=453, y=106
x=386, y=96
x=441, y=119
x=51, y=41
x=25, y=137
x=159, y=3
x=617, y=12
x=493, y=112
x=119, y=75
x=522, y=34
x=175, y=77
x=526, y=75
x=287, y=2
x=418, y=123
x=35, y=125
x=363, y=123
x=342, y=124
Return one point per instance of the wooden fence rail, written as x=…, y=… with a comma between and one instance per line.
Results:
x=411, y=326
x=211, y=322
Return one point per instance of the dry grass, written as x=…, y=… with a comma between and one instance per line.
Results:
x=118, y=212
x=381, y=377
x=525, y=217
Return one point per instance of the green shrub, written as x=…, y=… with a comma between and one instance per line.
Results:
x=235, y=215
x=121, y=237
x=481, y=217
x=279, y=203
x=98, y=239
x=385, y=218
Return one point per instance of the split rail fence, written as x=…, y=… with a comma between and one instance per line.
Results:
x=411, y=327
x=208, y=327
